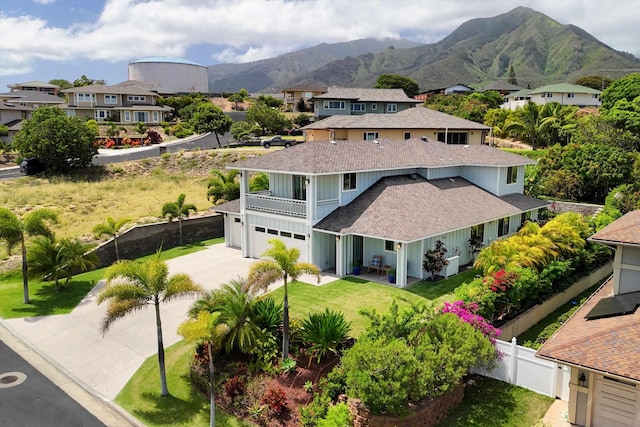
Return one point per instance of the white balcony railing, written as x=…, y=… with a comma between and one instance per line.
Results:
x=277, y=205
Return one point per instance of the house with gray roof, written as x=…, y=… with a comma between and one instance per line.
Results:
x=126, y=102
x=355, y=101
x=562, y=93
x=345, y=201
x=600, y=342
x=410, y=123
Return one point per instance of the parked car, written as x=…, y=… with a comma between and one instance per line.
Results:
x=295, y=132
x=31, y=166
x=277, y=140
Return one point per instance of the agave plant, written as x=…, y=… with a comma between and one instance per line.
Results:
x=324, y=332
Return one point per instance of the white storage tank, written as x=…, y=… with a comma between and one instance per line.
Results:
x=170, y=75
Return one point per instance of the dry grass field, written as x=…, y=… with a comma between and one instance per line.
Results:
x=135, y=190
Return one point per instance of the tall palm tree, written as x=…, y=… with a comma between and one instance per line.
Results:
x=526, y=122
x=111, y=228
x=206, y=328
x=223, y=187
x=131, y=286
x=13, y=231
x=282, y=265
x=178, y=209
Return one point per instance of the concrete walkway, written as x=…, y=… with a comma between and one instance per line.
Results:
x=105, y=363
x=557, y=414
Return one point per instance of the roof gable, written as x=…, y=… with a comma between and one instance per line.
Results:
x=367, y=95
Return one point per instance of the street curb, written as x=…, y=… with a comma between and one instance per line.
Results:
x=45, y=363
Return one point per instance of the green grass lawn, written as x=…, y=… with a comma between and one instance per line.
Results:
x=184, y=407
x=493, y=403
x=46, y=300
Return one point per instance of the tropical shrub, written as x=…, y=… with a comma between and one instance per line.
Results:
x=324, y=332
x=276, y=400
x=434, y=259
x=468, y=313
x=337, y=416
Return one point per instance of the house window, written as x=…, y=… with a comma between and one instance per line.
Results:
x=358, y=107
x=141, y=116
x=101, y=114
x=525, y=216
x=334, y=105
x=110, y=99
x=549, y=95
x=299, y=236
x=70, y=113
x=512, y=175
x=299, y=187
x=407, y=135
x=127, y=116
x=307, y=95
x=374, y=107
x=477, y=233
x=285, y=234
x=370, y=136
x=453, y=137
x=571, y=95
x=349, y=181
x=389, y=246
x=272, y=231
x=503, y=226
x=260, y=229
x=595, y=95
x=85, y=97
x=155, y=117
x=392, y=108
x=236, y=220
x=136, y=98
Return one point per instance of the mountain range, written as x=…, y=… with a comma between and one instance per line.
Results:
x=478, y=52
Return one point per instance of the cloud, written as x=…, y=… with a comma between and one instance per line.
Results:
x=249, y=30
x=44, y=1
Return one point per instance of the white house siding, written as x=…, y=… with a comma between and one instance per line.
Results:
x=516, y=187
x=446, y=172
x=626, y=274
x=327, y=196
x=281, y=185
x=581, y=99
x=484, y=177
x=414, y=259
x=324, y=251
x=233, y=231
x=364, y=180
x=376, y=247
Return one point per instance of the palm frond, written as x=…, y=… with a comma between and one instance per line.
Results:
x=180, y=285
x=119, y=309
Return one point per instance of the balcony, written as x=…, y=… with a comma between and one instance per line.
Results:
x=264, y=202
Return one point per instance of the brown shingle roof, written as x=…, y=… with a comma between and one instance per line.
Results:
x=623, y=230
x=232, y=207
x=114, y=89
x=411, y=118
x=367, y=95
x=405, y=209
x=32, y=96
x=609, y=345
x=310, y=86
x=326, y=157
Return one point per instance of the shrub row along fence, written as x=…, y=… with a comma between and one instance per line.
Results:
x=146, y=239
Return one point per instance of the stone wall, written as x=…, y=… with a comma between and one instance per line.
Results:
x=146, y=239
x=428, y=413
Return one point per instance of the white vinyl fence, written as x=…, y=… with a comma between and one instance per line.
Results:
x=519, y=366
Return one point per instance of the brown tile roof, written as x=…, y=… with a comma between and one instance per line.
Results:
x=121, y=89
x=325, y=157
x=405, y=209
x=232, y=207
x=609, y=345
x=625, y=230
x=367, y=95
x=311, y=86
x=411, y=118
x=32, y=96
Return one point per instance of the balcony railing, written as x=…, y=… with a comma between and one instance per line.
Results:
x=276, y=205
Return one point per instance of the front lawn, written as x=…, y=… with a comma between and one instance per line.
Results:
x=493, y=403
x=46, y=300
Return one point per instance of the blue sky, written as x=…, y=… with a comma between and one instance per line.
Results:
x=47, y=39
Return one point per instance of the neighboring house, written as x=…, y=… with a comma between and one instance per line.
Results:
x=11, y=115
x=562, y=93
x=601, y=341
x=410, y=123
x=504, y=88
x=31, y=99
x=457, y=88
x=341, y=201
x=356, y=101
x=36, y=86
x=305, y=91
x=123, y=102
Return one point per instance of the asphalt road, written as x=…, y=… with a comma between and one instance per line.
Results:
x=35, y=402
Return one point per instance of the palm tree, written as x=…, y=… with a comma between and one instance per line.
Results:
x=111, y=228
x=77, y=256
x=206, y=328
x=131, y=286
x=282, y=265
x=178, y=209
x=223, y=187
x=13, y=230
x=527, y=123
x=259, y=182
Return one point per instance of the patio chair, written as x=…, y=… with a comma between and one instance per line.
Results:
x=375, y=264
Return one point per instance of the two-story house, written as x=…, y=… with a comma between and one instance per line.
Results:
x=340, y=201
x=601, y=341
x=304, y=92
x=562, y=93
x=355, y=101
x=123, y=102
x=410, y=123
x=35, y=86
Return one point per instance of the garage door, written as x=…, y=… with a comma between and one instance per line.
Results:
x=615, y=403
x=260, y=237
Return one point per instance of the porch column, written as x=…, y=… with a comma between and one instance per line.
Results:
x=310, y=215
x=340, y=243
x=244, y=226
x=401, y=268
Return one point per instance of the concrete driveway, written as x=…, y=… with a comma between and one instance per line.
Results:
x=75, y=343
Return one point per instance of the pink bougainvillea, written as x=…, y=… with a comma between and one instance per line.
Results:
x=467, y=313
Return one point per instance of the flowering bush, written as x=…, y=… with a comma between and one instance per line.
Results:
x=109, y=143
x=501, y=280
x=467, y=313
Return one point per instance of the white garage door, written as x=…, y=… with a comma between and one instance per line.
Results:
x=615, y=404
x=260, y=237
